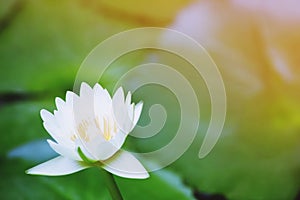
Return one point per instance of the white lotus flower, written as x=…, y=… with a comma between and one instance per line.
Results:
x=89, y=130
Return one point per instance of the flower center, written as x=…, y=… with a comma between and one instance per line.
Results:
x=108, y=129
x=82, y=130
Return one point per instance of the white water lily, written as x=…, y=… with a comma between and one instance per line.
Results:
x=89, y=130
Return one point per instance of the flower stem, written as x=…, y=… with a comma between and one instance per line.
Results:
x=112, y=186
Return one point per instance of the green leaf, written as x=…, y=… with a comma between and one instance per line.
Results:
x=15, y=184
x=45, y=43
x=161, y=185
x=21, y=123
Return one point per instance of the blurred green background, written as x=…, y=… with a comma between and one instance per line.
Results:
x=43, y=42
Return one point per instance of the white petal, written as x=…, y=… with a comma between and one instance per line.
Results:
x=65, y=151
x=118, y=140
x=85, y=89
x=137, y=113
x=121, y=112
x=128, y=99
x=102, y=102
x=97, y=85
x=119, y=96
x=69, y=97
x=130, y=108
x=60, y=125
x=98, y=148
x=59, y=103
x=82, y=146
x=57, y=167
x=65, y=120
x=124, y=164
x=106, y=149
x=51, y=126
x=83, y=105
x=46, y=115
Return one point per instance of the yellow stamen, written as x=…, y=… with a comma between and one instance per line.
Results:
x=97, y=123
x=73, y=137
x=106, y=130
x=82, y=128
